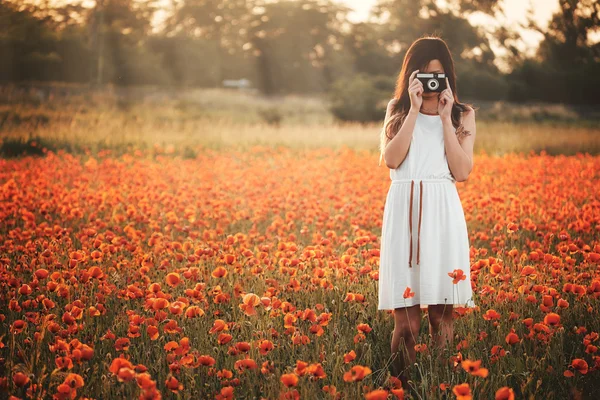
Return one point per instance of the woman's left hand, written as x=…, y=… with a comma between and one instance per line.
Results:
x=446, y=101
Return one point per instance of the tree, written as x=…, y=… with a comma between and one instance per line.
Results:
x=298, y=45
x=566, y=67
x=566, y=38
x=215, y=21
x=118, y=30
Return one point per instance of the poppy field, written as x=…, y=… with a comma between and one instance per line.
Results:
x=253, y=275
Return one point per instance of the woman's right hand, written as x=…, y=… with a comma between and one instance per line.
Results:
x=415, y=91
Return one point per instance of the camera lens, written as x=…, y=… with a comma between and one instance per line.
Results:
x=432, y=84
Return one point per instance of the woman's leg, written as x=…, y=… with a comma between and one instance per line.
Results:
x=441, y=324
x=407, y=322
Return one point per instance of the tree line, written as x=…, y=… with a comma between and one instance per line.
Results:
x=294, y=46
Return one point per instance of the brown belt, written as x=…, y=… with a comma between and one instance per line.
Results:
x=412, y=189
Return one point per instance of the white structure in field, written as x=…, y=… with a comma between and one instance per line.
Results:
x=239, y=83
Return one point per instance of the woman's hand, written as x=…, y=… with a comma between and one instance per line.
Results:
x=446, y=101
x=415, y=91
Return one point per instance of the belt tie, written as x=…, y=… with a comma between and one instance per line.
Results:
x=412, y=188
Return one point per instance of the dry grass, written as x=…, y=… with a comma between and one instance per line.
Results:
x=216, y=118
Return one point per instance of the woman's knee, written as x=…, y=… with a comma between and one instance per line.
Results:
x=435, y=321
x=439, y=314
x=408, y=329
x=408, y=322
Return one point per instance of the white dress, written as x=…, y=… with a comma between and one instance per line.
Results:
x=440, y=244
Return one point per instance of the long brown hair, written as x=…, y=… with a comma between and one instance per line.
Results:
x=418, y=56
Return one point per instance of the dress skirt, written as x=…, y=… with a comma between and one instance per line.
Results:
x=440, y=245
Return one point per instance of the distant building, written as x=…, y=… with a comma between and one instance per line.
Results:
x=237, y=83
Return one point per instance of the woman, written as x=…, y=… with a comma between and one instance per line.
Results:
x=427, y=142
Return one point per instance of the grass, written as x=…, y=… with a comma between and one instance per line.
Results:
x=187, y=120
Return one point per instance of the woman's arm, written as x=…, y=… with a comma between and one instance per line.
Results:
x=460, y=154
x=397, y=148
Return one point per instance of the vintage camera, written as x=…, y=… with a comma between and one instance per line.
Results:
x=432, y=82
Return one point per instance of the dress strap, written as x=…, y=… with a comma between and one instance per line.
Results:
x=412, y=185
x=420, y=213
x=412, y=188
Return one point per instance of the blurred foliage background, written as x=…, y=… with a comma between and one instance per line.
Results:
x=302, y=46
